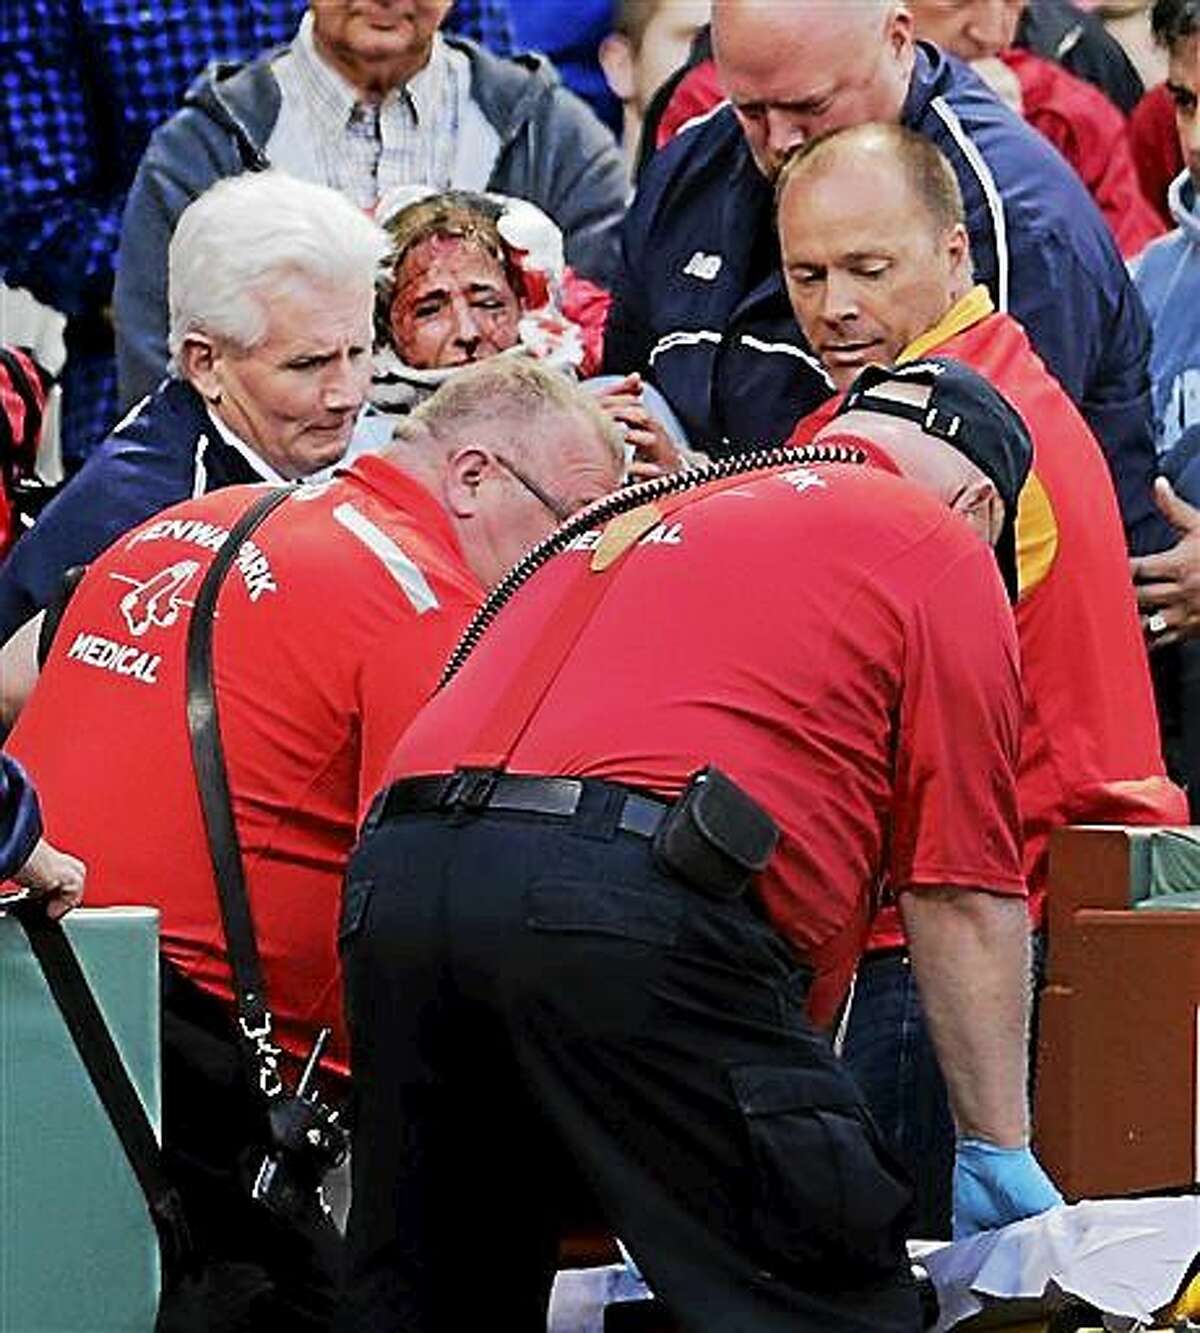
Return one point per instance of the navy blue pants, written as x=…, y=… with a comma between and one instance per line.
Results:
x=531, y=1000
x=890, y=1053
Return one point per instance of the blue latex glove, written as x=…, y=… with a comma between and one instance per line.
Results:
x=994, y=1186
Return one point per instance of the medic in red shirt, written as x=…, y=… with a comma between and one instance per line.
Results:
x=569, y=929
x=894, y=283
x=331, y=629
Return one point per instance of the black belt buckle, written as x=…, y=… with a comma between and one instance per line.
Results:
x=715, y=836
x=470, y=788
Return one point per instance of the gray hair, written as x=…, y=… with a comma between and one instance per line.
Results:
x=253, y=234
x=511, y=388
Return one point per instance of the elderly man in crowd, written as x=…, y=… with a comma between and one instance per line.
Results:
x=701, y=307
x=369, y=95
x=896, y=281
x=331, y=632
x=539, y=924
x=85, y=84
x=271, y=283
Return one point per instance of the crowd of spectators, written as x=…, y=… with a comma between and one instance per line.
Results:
x=452, y=290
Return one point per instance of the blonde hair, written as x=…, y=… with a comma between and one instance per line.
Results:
x=513, y=388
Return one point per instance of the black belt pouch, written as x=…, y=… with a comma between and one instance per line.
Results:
x=715, y=836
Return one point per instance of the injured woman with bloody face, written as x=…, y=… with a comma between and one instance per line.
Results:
x=471, y=276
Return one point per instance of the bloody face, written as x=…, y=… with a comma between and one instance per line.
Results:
x=453, y=304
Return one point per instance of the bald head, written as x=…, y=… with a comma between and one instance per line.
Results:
x=891, y=151
x=802, y=68
x=847, y=15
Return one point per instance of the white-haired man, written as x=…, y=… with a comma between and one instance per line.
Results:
x=330, y=634
x=701, y=307
x=271, y=284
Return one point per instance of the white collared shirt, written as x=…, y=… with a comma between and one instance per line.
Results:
x=428, y=132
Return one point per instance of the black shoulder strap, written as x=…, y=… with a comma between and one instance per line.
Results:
x=69, y=986
x=208, y=761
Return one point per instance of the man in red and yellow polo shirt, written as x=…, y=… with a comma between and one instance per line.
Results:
x=878, y=267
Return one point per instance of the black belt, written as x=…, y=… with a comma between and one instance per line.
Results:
x=486, y=789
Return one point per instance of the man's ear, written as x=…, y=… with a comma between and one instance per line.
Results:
x=466, y=470
x=962, y=267
x=615, y=54
x=980, y=504
x=199, y=362
x=901, y=31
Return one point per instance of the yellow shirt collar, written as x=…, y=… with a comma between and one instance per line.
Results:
x=967, y=311
x=1037, y=527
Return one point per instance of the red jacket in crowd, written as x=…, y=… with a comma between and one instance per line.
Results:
x=1089, y=131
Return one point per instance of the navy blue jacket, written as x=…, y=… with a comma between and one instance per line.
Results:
x=700, y=305
x=20, y=817
x=167, y=451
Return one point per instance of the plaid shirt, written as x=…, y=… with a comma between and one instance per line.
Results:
x=82, y=86
x=364, y=149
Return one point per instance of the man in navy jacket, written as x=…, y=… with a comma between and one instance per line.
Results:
x=700, y=305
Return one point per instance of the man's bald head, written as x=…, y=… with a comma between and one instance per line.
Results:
x=801, y=68
x=889, y=150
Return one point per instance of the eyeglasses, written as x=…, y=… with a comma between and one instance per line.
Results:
x=560, y=511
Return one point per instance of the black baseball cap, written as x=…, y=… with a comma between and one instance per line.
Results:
x=967, y=413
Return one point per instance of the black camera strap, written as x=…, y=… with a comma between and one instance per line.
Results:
x=68, y=983
x=212, y=780
x=89, y=1031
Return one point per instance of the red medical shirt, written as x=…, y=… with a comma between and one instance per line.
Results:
x=829, y=636
x=1090, y=751
x=329, y=636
